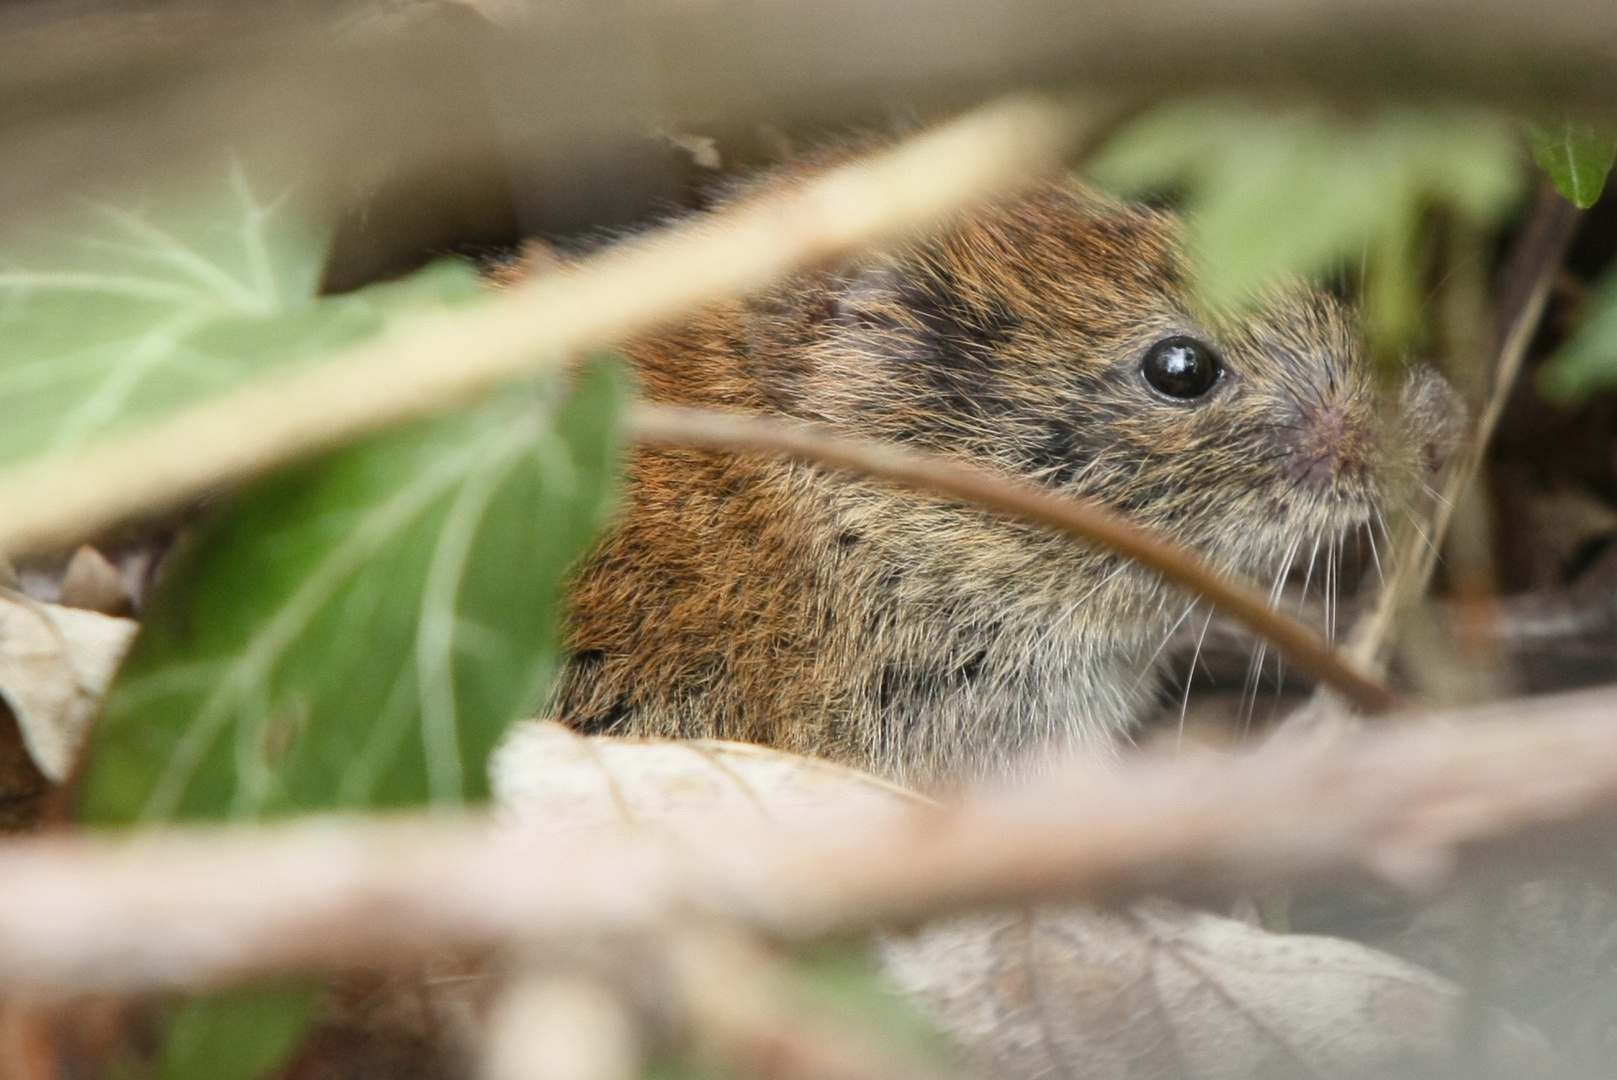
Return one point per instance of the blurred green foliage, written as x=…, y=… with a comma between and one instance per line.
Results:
x=1576, y=157
x=1271, y=196
x=1579, y=158
x=844, y=979
x=127, y=308
x=238, y=1035
x=1588, y=360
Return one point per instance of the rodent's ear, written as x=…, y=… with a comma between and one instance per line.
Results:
x=829, y=330
x=1436, y=415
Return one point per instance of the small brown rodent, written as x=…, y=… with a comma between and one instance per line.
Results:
x=1050, y=335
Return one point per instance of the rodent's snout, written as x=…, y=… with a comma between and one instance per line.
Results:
x=1352, y=442
x=1330, y=445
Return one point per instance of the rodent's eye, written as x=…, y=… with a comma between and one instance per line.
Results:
x=1181, y=367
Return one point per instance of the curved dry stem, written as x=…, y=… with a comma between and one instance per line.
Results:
x=1012, y=495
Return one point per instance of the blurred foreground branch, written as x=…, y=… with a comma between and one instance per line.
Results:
x=186, y=908
x=87, y=96
x=430, y=364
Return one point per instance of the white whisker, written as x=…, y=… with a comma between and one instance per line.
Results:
x=1151, y=663
x=1436, y=494
x=1333, y=571
x=1308, y=577
x=1375, y=556
x=1254, y=678
x=1249, y=688
x=1190, y=676
x=1425, y=537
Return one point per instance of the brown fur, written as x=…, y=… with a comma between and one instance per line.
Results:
x=778, y=603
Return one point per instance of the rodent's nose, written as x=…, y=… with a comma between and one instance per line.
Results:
x=1328, y=446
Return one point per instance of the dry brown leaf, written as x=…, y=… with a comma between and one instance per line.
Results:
x=544, y=772
x=55, y=666
x=1163, y=991
x=94, y=584
x=1156, y=991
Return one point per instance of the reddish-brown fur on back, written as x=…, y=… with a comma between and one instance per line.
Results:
x=778, y=603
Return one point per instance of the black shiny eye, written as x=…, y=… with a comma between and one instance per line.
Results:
x=1181, y=367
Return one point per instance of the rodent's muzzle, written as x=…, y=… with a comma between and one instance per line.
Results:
x=1330, y=447
x=1356, y=445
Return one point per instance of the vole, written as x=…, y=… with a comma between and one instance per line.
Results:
x=1051, y=335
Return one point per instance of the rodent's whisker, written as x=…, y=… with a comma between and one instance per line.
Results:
x=1249, y=687
x=1330, y=587
x=1190, y=675
x=1333, y=600
x=1436, y=494
x=1380, y=522
x=1425, y=537
x=1254, y=677
x=1150, y=665
x=1286, y=564
x=1308, y=575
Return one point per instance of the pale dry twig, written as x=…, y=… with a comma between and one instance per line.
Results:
x=197, y=907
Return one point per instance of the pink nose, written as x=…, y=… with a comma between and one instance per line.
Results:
x=1328, y=447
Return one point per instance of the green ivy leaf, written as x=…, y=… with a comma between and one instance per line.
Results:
x=131, y=307
x=1276, y=197
x=358, y=631
x=134, y=306
x=1576, y=157
x=240, y=1035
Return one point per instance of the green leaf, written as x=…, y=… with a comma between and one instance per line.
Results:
x=241, y=1035
x=1273, y=197
x=133, y=306
x=359, y=630
x=1576, y=157
x=1588, y=360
